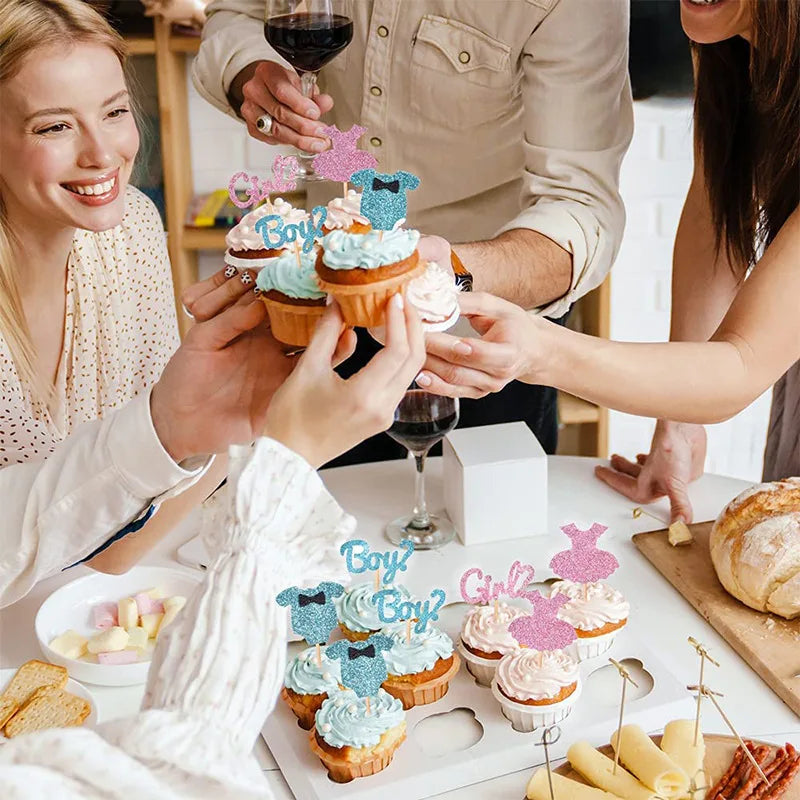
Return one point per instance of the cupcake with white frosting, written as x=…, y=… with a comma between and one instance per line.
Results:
x=419, y=665
x=596, y=611
x=485, y=638
x=308, y=682
x=536, y=689
x=358, y=612
x=344, y=214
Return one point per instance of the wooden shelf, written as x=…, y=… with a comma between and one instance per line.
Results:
x=204, y=238
x=184, y=44
x=141, y=45
x=574, y=411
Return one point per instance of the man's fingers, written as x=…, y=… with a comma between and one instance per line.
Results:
x=272, y=80
x=495, y=358
x=457, y=375
x=641, y=458
x=431, y=382
x=481, y=304
x=680, y=505
x=624, y=484
x=621, y=464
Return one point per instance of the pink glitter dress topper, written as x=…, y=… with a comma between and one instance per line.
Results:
x=344, y=158
x=543, y=630
x=584, y=562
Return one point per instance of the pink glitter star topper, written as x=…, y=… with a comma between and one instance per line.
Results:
x=344, y=158
x=543, y=630
x=584, y=562
x=284, y=179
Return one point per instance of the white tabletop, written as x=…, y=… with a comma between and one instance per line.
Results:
x=376, y=493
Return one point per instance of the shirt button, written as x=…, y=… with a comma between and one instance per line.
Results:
x=375, y=141
x=375, y=91
x=383, y=31
x=464, y=57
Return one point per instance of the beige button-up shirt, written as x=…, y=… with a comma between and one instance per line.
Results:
x=513, y=113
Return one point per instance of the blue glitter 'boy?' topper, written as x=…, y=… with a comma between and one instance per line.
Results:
x=363, y=667
x=359, y=558
x=277, y=234
x=392, y=608
x=383, y=201
x=313, y=611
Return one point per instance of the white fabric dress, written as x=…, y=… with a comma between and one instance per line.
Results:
x=217, y=671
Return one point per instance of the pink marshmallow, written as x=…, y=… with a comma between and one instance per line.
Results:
x=118, y=657
x=105, y=615
x=144, y=603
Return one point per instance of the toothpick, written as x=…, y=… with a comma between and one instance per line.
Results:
x=626, y=676
x=712, y=696
x=638, y=511
x=539, y=659
x=319, y=656
x=380, y=236
x=408, y=629
x=377, y=580
x=369, y=707
x=297, y=255
x=546, y=741
x=344, y=190
x=703, y=653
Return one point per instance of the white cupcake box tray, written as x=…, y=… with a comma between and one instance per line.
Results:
x=420, y=768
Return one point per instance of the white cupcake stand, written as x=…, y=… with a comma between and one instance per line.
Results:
x=417, y=772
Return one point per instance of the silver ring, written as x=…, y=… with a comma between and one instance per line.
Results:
x=186, y=311
x=264, y=124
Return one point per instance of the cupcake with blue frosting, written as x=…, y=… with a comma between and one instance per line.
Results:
x=357, y=736
x=309, y=680
x=358, y=612
x=363, y=270
x=420, y=665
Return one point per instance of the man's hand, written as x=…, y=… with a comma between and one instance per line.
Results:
x=267, y=86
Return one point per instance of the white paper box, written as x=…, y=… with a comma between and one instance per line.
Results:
x=495, y=483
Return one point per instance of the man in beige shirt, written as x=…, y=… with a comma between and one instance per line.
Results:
x=515, y=115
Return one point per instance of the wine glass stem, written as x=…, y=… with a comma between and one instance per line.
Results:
x=421, y=518
x=308, y=80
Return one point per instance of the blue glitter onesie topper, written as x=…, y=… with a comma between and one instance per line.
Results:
x=383, y=201
x=363, y=667
x=313, y=611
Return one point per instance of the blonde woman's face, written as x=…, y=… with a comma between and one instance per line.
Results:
x=709, y=21
x=68, y=139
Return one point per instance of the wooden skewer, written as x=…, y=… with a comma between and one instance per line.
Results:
x=408, y=629
x=703, y=653
x=377, y=580
x=546, y=741
x=638, y=511
x=626, y=676
x=344, y=190
x=319, y=656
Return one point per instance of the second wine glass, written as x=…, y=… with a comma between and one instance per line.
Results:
x=308, y=34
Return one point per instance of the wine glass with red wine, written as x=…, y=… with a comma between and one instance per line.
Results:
x=308, y=34
x=421, y=420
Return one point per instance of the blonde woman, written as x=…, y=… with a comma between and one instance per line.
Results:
x=107, y=425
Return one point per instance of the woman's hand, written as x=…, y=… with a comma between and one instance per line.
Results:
x=676, y=458
x=206, y=299
x=320, y=415
x=508, y=349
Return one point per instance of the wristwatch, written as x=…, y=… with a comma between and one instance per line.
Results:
x=463, y=275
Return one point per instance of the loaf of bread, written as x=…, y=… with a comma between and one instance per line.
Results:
x=755, y=547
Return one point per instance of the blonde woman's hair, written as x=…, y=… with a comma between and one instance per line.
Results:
x=26, y=25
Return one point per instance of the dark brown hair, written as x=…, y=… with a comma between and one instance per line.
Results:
x=747, y=127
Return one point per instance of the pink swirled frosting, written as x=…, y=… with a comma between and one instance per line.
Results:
x=531, y=675
x=591, y=605
x=485, y=631
x=344, y=211
x=244, y=235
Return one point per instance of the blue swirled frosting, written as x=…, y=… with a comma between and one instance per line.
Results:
x=343, y=250
x=285, y=275
x=305, y=676
x=357, y=610
x=419, y=653
x=342, y=721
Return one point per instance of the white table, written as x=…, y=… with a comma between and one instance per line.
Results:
x=376, y=493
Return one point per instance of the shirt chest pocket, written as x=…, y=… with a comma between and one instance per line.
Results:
x=460, y=76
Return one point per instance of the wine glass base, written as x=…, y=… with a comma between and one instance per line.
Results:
x=305, y=171
x=439, y=533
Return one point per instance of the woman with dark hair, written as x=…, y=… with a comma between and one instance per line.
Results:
x=736, y=275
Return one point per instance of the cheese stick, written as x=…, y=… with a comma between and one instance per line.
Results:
x=599, y=770
x=563, y=788
x=654, y=768
x=678, y=744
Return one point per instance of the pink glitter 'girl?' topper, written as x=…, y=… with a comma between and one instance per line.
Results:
x=584, y=562
x=284, y=179
x=543, y=630
x=344, y=158
x=486, y=590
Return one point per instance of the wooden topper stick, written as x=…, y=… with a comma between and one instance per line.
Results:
x=408, y=629
x=626, y=676
x=369, y=707
x=344, y=190
x=319, y=656
x=377, y=580
x=703, y=653
x=547, y=740
x=712, y=696
x=297, y=254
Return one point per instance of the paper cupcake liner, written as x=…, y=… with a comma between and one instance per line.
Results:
x=364, y=304
x=378, y=332
x=341, y=771
x=305, y=714
x=593, y=646
x=482, y=669
x=293, y=324
x=423, y=693
x=524, y=718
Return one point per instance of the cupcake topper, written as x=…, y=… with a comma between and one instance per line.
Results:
x=584, y=562
x=359, y=558
x=626, y=677
x=543, y=630
x=284, y=179
x=344, y=158
x=703, y=653
x=362, y=663
x=391, y=608
x=547, y=739
x=313, y=612
x=383, y=201
x=486, y=590
x=277, y=234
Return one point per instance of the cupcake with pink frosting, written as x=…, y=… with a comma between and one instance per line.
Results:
x=485, y=639
x=536, y=689
x=344, y=214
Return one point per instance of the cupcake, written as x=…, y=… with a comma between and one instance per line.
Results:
x=245, y=246
x=292, y=295
x=357, y=611
x=485, y=639
x=536, y=689
x=344, y=214
x=596, y=611
x=308, y=683
x=363, y=270
x=420, y=666
x=353, y=744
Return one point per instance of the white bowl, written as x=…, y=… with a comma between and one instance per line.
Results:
x=72, y=686
x=71, y=607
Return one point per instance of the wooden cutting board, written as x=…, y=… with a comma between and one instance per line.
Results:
x=769, y=644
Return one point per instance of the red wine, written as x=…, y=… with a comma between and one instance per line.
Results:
x=309, y=41
x=422, y=419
